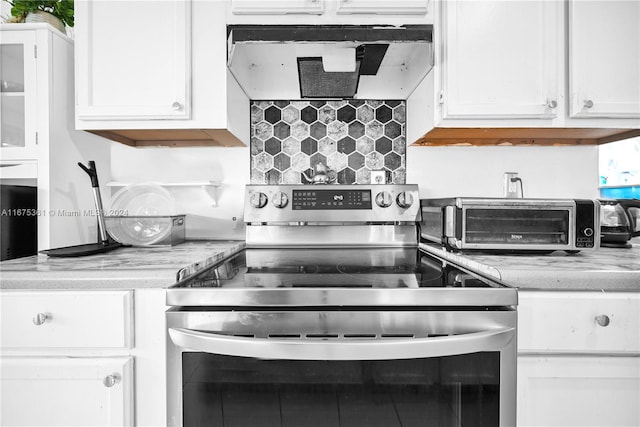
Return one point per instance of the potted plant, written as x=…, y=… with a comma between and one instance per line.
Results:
x=58, y=13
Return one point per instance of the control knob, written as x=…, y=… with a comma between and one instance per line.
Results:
x=280, y=200
x=588, y=231
x=404, y=199
x=258, y=200
x=383, y=199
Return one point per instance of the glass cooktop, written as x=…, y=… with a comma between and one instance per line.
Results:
x=331, y=268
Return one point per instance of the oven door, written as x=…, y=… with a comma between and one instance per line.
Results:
x=341, y=368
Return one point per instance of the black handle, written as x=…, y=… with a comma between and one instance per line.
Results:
x=92, y=172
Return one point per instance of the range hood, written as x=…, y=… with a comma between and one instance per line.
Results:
x=339, y=61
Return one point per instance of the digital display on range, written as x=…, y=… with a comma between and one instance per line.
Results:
x=331, y=199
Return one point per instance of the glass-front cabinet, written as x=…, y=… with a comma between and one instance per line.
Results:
x=18, y=113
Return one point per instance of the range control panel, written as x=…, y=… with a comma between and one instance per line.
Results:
x=331, y=203
x=331, y=199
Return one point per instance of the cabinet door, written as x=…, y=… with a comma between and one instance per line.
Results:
x=66, y=391
x=383, y=7
x=500, y=59
x=604, y=58
x=277, y=7
x=578, y=391
x=133, y=60
x=18, y=95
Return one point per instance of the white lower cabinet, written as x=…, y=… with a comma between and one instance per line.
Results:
x=82, y=358
x=578, y=391
x=69, y=391
x=578, y=359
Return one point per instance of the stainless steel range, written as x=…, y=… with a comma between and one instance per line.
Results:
x=333, y=316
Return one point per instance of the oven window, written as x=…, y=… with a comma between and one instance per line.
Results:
x=517, y=226
x=236, y=391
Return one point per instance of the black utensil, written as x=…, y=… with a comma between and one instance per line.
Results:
x=105, y=242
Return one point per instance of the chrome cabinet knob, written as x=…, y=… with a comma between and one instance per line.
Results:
x=588, y=103
x=404, y=199
x=111, y=380
x=383, y=199
x=176, y=106
x=280, y=200
x=258, y=200
x=603, y=320
x=552, y=103
x=40, y=318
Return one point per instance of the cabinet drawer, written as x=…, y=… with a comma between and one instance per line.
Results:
x=92, y=319
x=578, y=322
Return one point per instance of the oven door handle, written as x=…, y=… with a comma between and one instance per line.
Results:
x=342, y=349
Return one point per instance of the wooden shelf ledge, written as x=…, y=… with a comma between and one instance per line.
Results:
x=523, y=136
x=171, y=137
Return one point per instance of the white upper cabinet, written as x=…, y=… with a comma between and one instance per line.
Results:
x=277, y=7
x=604, y=58
x=318, y=12
x=154, y=73
x=317, y=7
x=396, y=7
x=18, y=95
x=133, y=60
x=572, y=69
x=499, y=59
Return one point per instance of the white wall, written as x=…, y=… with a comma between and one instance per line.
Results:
x=560, y=172
x=230, y=166
x=551, y=172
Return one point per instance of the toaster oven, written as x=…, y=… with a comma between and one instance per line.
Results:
x=511, y=224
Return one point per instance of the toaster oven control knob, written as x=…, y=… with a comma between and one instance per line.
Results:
x=280, y=200
x=404, y=200
x=384, y=199
x=258, y=200
x=588, y=231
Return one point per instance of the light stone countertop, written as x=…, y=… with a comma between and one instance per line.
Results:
x=122, y=268
x=605, y=269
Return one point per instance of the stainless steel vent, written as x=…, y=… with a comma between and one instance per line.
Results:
x=315, y=82
x=281, y=61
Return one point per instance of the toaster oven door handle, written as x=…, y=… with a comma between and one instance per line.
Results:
x=342, y=349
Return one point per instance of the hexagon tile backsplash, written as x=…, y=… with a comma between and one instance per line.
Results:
x=352, y=137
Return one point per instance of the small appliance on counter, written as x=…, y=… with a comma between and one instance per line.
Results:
x=511, y=225
x=617, y=225
x=632, y=206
